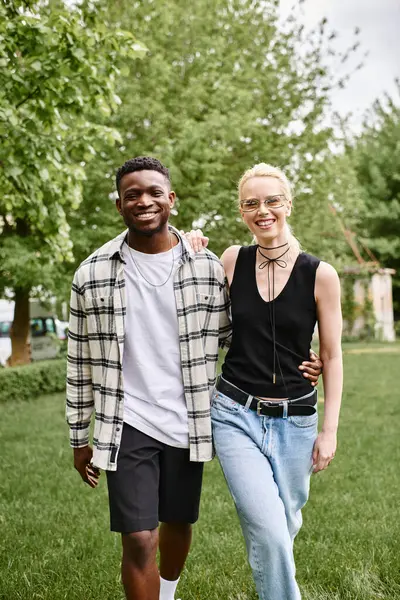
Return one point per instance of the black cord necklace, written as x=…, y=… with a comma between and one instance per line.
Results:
x=274, y=247
x=276, y=260
x=271, y=297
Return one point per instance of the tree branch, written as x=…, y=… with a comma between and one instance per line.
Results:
x=35, y=91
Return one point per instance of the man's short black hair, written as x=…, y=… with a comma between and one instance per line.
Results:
x=140, y=163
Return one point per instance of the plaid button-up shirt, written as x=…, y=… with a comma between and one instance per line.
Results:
x=96, y=346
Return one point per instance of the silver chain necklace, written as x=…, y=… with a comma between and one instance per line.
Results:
x=140, y=272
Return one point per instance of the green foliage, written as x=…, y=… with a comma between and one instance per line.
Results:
x=351, y=310
x=368, y=332
x=376, y=156
x=59, y=67
x=348, y=303
x=223, y=87
x=331, y=204
x=397, y=329
x=31, y=381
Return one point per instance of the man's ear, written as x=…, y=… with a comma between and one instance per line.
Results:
x=118, y=205
x=171, y=198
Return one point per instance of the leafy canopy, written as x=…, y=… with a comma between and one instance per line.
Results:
x=223, y=87
x=376, y=156
x=58, y=72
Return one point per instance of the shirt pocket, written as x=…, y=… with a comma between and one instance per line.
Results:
x=100, y=315
x=205, y=305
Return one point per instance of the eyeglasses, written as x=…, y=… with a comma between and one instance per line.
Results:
x=270, y=201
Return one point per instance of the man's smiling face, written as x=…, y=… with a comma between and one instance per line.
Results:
x=145, y=201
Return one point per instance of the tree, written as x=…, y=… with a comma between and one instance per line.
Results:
x=223, y=87
x=59, y=67
x=376, y=156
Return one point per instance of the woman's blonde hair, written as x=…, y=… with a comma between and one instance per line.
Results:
x=265, y=170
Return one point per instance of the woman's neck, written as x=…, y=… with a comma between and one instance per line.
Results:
x=276, y=247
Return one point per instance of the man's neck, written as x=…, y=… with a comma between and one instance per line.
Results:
x=162, y=241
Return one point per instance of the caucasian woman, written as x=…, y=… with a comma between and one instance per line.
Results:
x=263, y=410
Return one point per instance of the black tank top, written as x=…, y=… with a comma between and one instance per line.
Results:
x=249, y=361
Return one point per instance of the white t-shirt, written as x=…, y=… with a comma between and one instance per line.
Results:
x=154, y=400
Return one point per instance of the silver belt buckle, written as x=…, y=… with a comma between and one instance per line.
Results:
x=268, y=403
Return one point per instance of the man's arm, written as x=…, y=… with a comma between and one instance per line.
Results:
x=80, y=402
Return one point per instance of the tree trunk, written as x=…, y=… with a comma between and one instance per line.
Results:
x=20, y=354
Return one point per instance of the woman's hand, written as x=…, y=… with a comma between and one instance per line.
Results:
x=324, y=450
x=196, y=239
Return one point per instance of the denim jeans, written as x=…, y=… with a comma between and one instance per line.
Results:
x=267, y=463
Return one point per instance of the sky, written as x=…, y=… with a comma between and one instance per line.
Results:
x=379, y=22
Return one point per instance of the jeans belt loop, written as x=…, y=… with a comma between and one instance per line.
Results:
x=285, y=409
x=249, y=401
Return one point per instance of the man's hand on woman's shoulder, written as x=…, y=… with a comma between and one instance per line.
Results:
x=196, y=239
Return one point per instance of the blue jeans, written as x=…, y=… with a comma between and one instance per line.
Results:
x=267, y=463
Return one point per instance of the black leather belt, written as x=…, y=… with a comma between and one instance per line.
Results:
x=301, y=407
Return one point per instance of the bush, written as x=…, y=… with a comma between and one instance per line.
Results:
x=29, y=381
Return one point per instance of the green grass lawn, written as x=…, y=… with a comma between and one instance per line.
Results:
x=54, y=537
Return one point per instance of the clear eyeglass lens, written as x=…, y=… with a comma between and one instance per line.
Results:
x=249, y=205
x=274, y=202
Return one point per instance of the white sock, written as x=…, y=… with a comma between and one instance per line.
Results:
x=167, y=589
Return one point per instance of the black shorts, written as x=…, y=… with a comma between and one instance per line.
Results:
x=153, y=482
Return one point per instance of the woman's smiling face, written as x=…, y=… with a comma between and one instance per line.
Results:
x=264, y=222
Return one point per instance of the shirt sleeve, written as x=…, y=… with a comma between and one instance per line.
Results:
x=80, y=401
x=225, y=320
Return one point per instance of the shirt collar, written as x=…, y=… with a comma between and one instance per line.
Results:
x=115, y=248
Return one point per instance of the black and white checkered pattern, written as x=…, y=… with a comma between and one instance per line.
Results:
x=96, y=346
